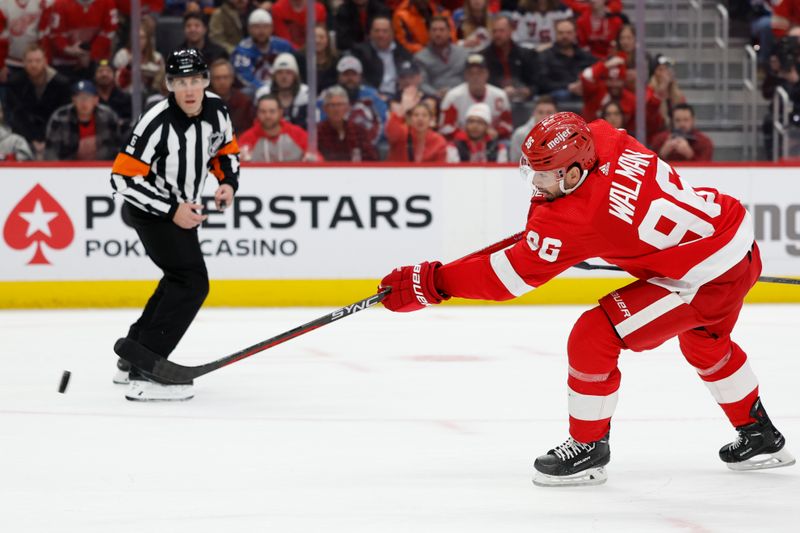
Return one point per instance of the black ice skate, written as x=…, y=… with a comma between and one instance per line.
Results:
x=759, y=445
x=573, y=463
x=121, y=376
x=145, y=388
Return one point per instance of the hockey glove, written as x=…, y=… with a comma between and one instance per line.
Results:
x=412, y=288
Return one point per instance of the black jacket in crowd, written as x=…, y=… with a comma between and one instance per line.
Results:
x=559, y=70
x=347, y=22
x=29, y=114
x=373, y=66
x=522, y=63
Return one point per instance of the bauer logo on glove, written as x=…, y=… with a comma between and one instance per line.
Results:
x=413, y=287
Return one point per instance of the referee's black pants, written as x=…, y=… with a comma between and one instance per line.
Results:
x=182, y=290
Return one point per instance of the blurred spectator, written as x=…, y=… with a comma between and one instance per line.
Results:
x=13, y=147
x=613, y=114
x=535, y=22
x=511, y=67
x=410, y=134
x=327, y=58
x=109, y=94
x=81, y=33
x=253, y=58
x=626, y=48
x=605, y=82
x=785, y=14
x=225, y=25
x=339, y=138
x=761, y=28
x=544, y=107
x=239, y=105
x=562, y=64
x=3, y=46
x=684, y=142
x=598, y=28
x=195, y=32
x=367, y=108
x=473, y=144
x=351, y=22
x=286, y=86
x=442, y=61
x=83, y=130
x=290, y=20
x=665, y=86
x=152, y=68
x=410, y=21
x=25, y=24
x=475, y=90
x=182, y=7
x=472, y=22
x=380, y=56
x=33, y=95
x=272, y=139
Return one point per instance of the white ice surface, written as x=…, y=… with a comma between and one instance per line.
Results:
x=427, y=422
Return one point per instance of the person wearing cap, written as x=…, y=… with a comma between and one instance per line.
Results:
x=290, y=19
x=474, y=90
x=380, y=56
x=291, y=93
x=351, y=21
x=225, y=25
x=195, y=32
x=664, y=86
x=254, y=55
x=410, y=21
x=367, y=108
x=605, y=81
x=109, y=94
x=473, y=144
x=442, y=61
x=33, y=94
x=84, y=130
x=341, y=139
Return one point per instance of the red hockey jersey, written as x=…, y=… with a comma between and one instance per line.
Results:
x=632, y=211
x=89, y=23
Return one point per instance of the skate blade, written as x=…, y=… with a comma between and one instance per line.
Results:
x=147, y=391
x=768, y=460
x=121, y=378
x=588, y=477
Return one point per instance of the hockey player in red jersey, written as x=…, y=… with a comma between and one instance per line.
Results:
x=599, y=193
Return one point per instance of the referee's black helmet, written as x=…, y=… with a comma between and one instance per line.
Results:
x=186, y=62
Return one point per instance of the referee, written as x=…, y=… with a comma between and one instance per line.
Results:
x=161, y=173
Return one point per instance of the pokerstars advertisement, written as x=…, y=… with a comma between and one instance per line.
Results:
x=285, y=222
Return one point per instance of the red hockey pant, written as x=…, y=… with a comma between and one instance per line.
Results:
x=641, y=316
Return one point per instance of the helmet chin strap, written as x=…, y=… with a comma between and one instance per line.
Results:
x=580, y=181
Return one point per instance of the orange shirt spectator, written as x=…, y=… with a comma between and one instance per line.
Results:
x=289, y=20
x=410, y=22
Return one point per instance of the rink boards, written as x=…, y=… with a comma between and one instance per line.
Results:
x=322, y=235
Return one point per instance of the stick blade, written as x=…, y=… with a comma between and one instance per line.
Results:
x=150, y=363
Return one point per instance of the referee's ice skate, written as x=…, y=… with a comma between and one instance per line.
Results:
x=144, y=388
x=573, y=463
x=758, y=446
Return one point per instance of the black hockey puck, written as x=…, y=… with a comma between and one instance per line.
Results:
x=62, y=387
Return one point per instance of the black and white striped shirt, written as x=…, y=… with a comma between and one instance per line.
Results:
x=169, y=156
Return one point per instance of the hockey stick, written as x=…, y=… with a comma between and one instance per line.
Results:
x=583, y=265
x=165, y=370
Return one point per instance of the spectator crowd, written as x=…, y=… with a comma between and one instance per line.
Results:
x=397, y=80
